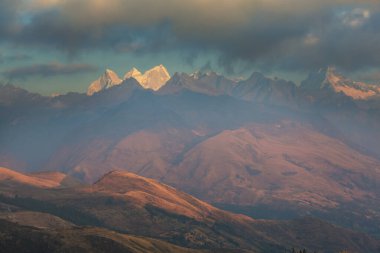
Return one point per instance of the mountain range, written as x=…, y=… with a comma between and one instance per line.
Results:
x=153, y=79
x=263, y=148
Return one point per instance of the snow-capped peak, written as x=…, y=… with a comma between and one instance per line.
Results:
x=356, y=90
x=134, y=72
x=328, y=78
x=153, y=78
x=105, y=81
x=195, y=75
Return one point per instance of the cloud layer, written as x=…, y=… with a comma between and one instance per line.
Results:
x=287, y=35
x=46, y=70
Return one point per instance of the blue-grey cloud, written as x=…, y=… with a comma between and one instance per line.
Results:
x=47, y=70
x=370, y=76
x=10, y=58
x=297, y=34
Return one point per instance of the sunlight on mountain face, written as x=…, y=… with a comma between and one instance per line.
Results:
x=152, y=79
x=356, y=90
x=107, y=80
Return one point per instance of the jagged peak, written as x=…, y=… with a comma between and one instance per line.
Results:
x=195, y=74
x=134, y=72
x=326, y=72
x=108, y=79
x=329, y=78
x=210, y=73
x=180, y=74
x=111, y=74
x=202, y=74
x=318, y=79
x=153, y=78
x=331, y=69
x=160, y=68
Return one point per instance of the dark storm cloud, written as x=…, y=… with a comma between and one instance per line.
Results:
x=293, y=34
x=46, y=70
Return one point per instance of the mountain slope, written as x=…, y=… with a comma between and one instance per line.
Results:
x=262, y=155
x=255, y=163
x=19, y=238
x=148, y=191
x=132, y=204
x=41, y=180
x=314, y=234
x=261, y=163
x=129, y=203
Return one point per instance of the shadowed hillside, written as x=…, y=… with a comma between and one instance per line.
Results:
x=127, y=203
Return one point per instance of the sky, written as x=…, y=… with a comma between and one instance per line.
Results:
x=57, y=46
